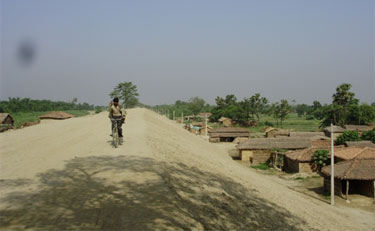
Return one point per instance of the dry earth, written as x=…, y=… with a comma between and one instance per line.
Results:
x=65, y=175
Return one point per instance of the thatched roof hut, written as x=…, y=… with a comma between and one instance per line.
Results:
x=336, y=130
x=352, y=176
x=271, y=143
x=301, y=160
x=358, y=128
x=228, y=134
x=354, y=153
x=355, y=169
x=6, y=121
x=364, y=143
x=203, y=115
x=259, y=150
x=275, y=132
x=227, y=122
x=58, y=115
x=6, y=118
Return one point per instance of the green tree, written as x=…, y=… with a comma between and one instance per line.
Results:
x=257, y=105
x=281, y=110
x=196, y=105
x=366, y=114
x=347, y=136
x=127, y=92
x=343, y=98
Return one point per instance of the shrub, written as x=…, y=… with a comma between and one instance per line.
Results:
x=263, y=166
x=269, y=124
x=320, y=158
x=368, y=135
x=347, y=136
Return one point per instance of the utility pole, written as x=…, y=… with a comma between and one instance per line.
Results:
x=332, y=169
x=174, y=113
x=182, y=118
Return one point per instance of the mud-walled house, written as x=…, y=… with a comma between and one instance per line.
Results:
x=228, y=134
x=260, y=150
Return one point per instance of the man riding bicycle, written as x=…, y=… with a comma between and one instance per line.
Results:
x=116, y=112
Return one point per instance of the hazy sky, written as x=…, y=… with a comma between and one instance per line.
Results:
x=293, y=49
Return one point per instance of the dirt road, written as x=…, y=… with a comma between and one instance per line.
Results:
x=65, y=175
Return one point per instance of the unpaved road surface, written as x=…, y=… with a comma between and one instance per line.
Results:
x=65, y=175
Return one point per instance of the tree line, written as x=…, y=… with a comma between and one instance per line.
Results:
x=14, y=105
x=344, y=109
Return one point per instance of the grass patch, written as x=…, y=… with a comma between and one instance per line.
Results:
x=261, y=166
x=293, y=122
x=299, y=178
x=24, y=117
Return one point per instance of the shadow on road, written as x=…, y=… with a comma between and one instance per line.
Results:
x=132, y=193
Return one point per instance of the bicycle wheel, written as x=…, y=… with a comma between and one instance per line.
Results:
x=115, y=136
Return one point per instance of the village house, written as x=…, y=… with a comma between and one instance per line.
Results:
x=227, y=134
x=204, y=115
x=275, y=132
x=259, y=150
x=204, y=128
x=57, y=115
x=337, y=130
x=349, y=153
x=6, y=121
x=364, y=143
x=355, y=176
x=300, y=161
x=226, y=122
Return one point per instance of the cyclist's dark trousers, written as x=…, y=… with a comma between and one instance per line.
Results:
x=119, y=124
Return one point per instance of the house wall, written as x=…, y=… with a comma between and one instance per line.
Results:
x=8, y=120
x=292, y=165
x=305, y=167
x=363, y=187
x=246, y=155
x=261, y=156
x=214, y=140
x=227, y=123
x=338, y=186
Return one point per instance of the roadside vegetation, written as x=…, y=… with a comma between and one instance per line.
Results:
x=28, y=110
x=256, y=112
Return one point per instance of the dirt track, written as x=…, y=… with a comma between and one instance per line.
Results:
x=65, y=175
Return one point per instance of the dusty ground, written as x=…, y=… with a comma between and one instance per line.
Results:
x=65, y=175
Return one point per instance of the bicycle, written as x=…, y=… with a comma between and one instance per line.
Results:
x=115, y=136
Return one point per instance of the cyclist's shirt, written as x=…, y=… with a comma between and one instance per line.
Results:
x=115, y=111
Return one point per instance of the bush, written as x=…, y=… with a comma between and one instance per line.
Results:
x=369, y=135
x=263, y=166
x=269, y=124
x=320, y=158
x=347, y=136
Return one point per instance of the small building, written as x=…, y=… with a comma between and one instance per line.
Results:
x=226, y=122
x=275, y=132
x=350, y=153
x=337, y=130
x=227, y=134
x=356, y=176
x=204, y=128
x=57, y=115
x=204, y=115
x=259, y=150
x=321, y=142
x=358, y=128
x=365, y=143
x=195, y=127
x=300, y=161
x=6, y=121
